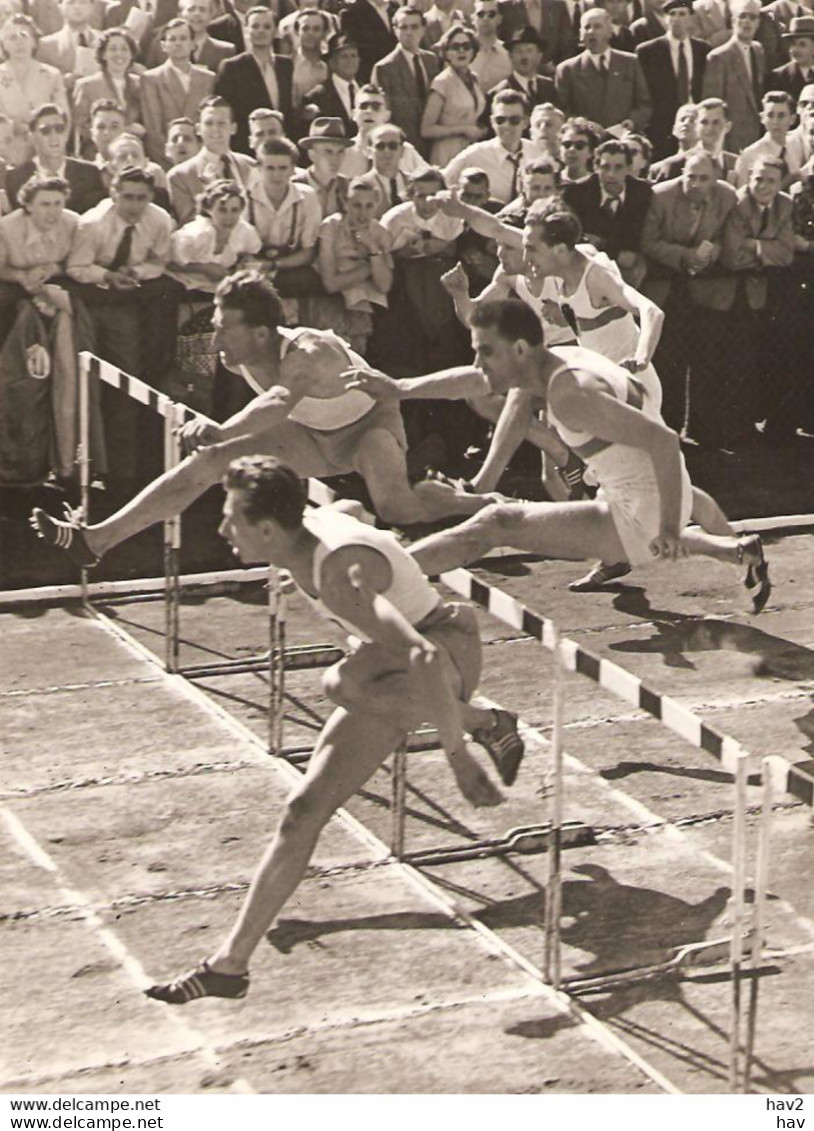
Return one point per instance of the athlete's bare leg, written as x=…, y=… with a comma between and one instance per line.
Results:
x=708, y=515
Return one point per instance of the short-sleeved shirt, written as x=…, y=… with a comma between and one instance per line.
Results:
x=195, y=243
x=404, y=224
x=294, y=224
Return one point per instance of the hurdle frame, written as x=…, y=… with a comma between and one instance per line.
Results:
x=797, y=778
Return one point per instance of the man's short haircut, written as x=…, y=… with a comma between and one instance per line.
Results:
x=262, y=9
x=134, y=176
x=614, y=147
x=386, y=127
x=512, y=319
x=176, y=122
x=304, y=13
x=47, y=110
x=129, y=139
x=560, y=227
x=542, y=166
x=171, y=25
x=359, y=184
x=106, y=106
x=778, y=98
x=370, y=90
x=431, y=173
x=215, y=102
x=253, y=295
x=37, y=184
x=510, y=98
x=713, y=104
x=547, y=108
x=278, y=147
x=270, y=490
x=105, y=38
x=408, y=10
x=472, y=175
x=263, y=112
x=579, y=125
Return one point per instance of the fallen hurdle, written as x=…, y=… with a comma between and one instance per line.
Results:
x=797, y=779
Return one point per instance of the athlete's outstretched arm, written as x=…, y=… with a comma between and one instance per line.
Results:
x=460, y=383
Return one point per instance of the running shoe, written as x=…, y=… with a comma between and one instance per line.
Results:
x=203, y=981
x=598, y=577
x=65, y=534
x=750, y=547
x=503, y=744
x=572, y=474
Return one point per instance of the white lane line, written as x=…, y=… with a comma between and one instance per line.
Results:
x=192, y=1041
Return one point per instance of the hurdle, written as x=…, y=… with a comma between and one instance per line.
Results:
x=796, y=778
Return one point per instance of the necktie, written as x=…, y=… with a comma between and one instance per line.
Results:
x=764, y=221
x=121, y=256
x=603, y=68
x=394, y=192
x=82, y=39
x=576, y=20
x=785, y=162
x=193, y=55
x=683, y=75
x=420, y=80
x=226, y=167
x=611, y=205
x=697, y=212
x=515, y=160
x=352, y=94
x=757, y=86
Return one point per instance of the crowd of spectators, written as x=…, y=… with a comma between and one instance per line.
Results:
x=150, y=147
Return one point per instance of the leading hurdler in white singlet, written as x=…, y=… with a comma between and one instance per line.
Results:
x=609, y=330
x=626, y=474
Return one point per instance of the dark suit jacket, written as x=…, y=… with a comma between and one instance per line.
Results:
x=670, y=228
x=85, y=179
x=544, y=90
x=672, y=167
x=325, y=98
x=240, y=82
x=369, y=32
x=647, y=27
x=396, y=77
x=228, y=28
x=745, y=222
x=726, y=77
x=556, y=29
x=654, y=56
x=624, y=94
x=789, y=78
x=621, y=231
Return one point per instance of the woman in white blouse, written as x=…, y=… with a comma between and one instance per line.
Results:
x=25, y=83
x=208, y=248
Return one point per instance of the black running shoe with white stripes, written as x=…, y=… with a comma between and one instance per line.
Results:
x=64, y=534
x=503, y=744
x=203, y=981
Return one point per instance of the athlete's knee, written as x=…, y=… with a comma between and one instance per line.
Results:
x=338, y=685
x=306, y=807
x=501, y=519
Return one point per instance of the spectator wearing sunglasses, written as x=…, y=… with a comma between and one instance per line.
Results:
x=49, y=135
x=502, y=157
x=372, y=110
x=386, y=176
x=456, y=101
x=492, y=64
x=578, y=140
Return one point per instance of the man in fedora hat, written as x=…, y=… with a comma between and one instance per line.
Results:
x=336, y=97
x=325, y=147
x=526, y=51
x=797, y=73
x=258, y=77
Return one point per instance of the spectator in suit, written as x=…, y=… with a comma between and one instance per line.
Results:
x=798, y=139
x=336, y=97
x=682, y=240
x=622, y=37
x=712, y=125
x=231, y=26
x=577, y=142
x=674, y=67
x=311, y=30
x=777, y=115
x=526, y=52
x=492, y=63
x=257, y=77
x=601, y=84
x=25, y=83
x=758, y=239
x=612, y=206
x=182, y=141
x=206, y=50
x=371, y=110
x=386, y=144
x=173, y=90
x=406, y=74
x=503, y=156
x=368, y=23
x=556, y=23
x=71, y=49
x=126, y=151
x=119, y=257
x=49, y=135
x=325, y=147
x=455, y=101
x=685, y=132
x=116, y=79
x=793, y=76
x=735, y=72
x=214, y=161
x=651, y=25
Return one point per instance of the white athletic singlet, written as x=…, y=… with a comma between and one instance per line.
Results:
x=409, y=590
x=626, y=474
x=324, y=414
